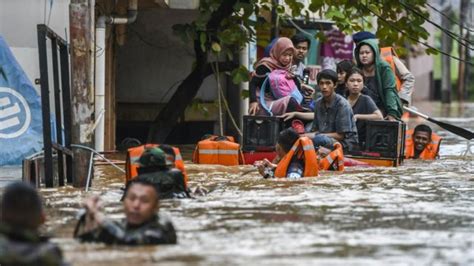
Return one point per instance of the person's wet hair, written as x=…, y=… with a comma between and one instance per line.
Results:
x=141, y=181
x=21, y=206
x=344, y=66
x=423, y=128
x=299, y=38
x=327, y=74
x=168, y=150
x=352, y=71
x=287, y=138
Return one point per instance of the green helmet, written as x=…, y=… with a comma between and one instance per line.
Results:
x=154, y=157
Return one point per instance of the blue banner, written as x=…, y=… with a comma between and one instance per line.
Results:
x=21, y=131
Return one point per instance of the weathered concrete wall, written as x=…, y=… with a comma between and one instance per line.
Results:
x=153, y=59
x=421, y=67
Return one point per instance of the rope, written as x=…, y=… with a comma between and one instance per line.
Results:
x=97, y=153
x=223, y=99
x=219, y=99
x=91, y=161
x=230, y=115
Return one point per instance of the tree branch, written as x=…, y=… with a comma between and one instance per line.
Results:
x=223, y=66
x=224, y=10
x=201, y=56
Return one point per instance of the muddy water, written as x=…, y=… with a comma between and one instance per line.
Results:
x=421, y=213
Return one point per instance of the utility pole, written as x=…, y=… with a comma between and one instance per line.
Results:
x=81, y=35
x=446, y=46
x=275, y=20
x=463, y=71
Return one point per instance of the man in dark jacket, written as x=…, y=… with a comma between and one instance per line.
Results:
x=21, y=213
x=142, y=224
x=157, y=168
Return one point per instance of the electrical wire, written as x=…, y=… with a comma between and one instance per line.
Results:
x=448, y=17
x=170, y=88
x=451, y=34
x=299, y=28
x=141, y=38
x=44, y=12
x=414, y=39
x=51, y=2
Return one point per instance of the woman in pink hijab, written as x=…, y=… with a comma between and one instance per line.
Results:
x=281, y=57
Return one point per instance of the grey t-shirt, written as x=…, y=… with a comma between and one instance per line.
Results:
x=364, y=105
x=338, y=117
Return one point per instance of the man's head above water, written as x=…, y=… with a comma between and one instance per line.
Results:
x=141, y=201
x=286, y=140
x=21, y=207
x=421, y=137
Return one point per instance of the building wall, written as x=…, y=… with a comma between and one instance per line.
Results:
x=18, y=20
x=153, y=60
x=421, y=67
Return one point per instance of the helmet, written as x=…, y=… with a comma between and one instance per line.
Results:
x=154, y=157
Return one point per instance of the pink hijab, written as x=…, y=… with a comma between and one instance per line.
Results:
x=282, y=45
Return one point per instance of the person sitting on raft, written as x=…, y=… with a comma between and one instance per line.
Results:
x=422, y=143
x=342, y=69
x=142, y=224
x=405, y=81
x=363, y=107
x=333, y=120
x=279, y=63
x=380, y=79
x=295, y=159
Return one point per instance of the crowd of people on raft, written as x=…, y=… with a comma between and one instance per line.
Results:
x=357, y=92
x=373, y=86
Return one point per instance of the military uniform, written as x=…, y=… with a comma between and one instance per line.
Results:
x=170, y=183
x=155, y=168
x=26, y=247
x=157, y=231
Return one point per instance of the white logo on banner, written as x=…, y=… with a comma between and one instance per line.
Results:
x=15, y=115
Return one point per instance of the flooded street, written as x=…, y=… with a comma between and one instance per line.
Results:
x=421, y=213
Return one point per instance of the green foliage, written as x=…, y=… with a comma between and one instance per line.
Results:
x=245, y=94
x=198, y=105
x=399, y=22
x=240, y=74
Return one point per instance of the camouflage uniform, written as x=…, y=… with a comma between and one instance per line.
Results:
x=26, y=247
x=155, y=168
x=157, y=231
x=170, y=183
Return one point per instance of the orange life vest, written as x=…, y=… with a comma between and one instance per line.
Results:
x=132, y=164
x=215, y=150
x=303, y=148
x=336, y=156
x=429, y=153
x=387, y=53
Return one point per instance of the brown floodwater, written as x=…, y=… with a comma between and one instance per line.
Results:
x=420, y=213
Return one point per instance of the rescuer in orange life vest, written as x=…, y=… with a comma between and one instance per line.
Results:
x=157, y=167
x=291, y=163
x=422, y=143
